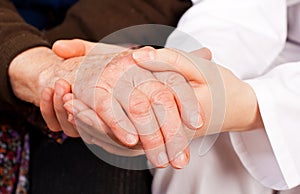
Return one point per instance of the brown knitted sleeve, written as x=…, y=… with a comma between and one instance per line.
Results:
x=94, y=19
x=16, y=36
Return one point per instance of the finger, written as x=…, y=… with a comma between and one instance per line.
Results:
x=203, y=53
x=111, y=112
x=165, y=111
x=167, y=115
x=165, y=60
x=111, y=148
x=86, y=115
x=89, y=124
x=105, y=143
x=138, y=108
x=86, y=137
x=143, y=118
x=61, y=88
x=172, y=60
x=47, y=110
x=87, y=132
x=77, y=47
x=178, y=147
x=121, y=151
x=72, y=48
x=187, y=102
x=66, y=98
x=181, y=160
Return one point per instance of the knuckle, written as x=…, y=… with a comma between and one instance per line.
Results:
x=163, y=96
x=118, y=66
x=116, y=123
x=171, y=135
x=176, y=137
x=153, y=140
x=112, y=73
x=172, y=129
x=139, y=106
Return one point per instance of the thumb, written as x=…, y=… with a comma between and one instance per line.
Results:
x=204, y=53
x=186, y=64
x=72, y=48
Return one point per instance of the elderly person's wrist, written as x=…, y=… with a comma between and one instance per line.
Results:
x=25, y=72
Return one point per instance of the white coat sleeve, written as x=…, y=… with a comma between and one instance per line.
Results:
x=246, y=37
x=243, y=35
x=272, y=155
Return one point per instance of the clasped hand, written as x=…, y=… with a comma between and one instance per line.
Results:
x=114, y=102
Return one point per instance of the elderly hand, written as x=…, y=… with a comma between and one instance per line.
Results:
x=36, y=69
x=133, y=91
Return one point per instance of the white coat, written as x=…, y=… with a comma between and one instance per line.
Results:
x=259, y=40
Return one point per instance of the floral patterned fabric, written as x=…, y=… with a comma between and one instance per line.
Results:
x=15, y=152
x=14, y=160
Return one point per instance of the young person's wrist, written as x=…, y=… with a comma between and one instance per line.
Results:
x=242, y=110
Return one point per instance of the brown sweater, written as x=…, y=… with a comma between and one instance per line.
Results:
x=87, y=19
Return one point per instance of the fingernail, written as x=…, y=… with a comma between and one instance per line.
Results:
x=180, y=161
x=163, y=159
x=131, y=139
x=141, y=55
x=196, y=121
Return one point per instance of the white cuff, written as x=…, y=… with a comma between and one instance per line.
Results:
x=266, y=153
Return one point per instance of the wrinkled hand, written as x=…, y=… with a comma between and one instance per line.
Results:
x=94, y=131
x=135, y=102
x=36, y=69
x=51, y=103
